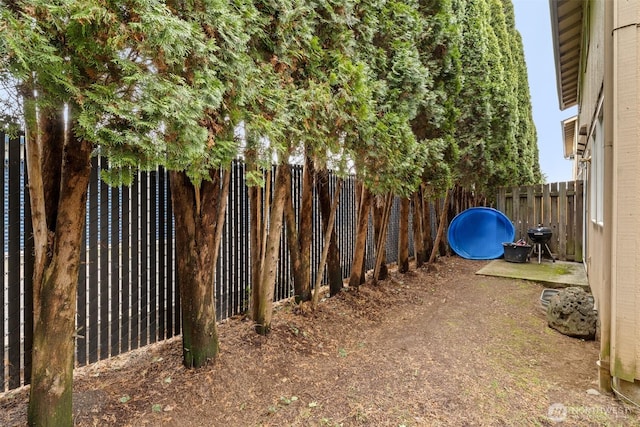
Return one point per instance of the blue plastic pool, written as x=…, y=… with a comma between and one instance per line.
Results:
x=478, y=233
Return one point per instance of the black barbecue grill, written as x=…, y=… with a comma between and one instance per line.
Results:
x=540, y=237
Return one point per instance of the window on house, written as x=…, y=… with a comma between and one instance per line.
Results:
x=597, y=173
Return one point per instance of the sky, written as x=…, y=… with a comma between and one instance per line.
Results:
x=534, y=24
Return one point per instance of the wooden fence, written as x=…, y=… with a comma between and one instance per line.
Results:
x=558, y=206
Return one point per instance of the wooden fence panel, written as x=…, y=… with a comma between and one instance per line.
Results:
x=556, y=205
x=579, y=220
x=561, y=230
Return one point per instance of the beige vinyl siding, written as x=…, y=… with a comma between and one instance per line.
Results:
x=625, y=351
x=592, y=84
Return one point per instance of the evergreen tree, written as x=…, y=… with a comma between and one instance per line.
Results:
x=474, y=126
x=116, y=67
x=435, y=124
x=387, y=156
x=318, y=97
x=529, y=167
x=495, y=130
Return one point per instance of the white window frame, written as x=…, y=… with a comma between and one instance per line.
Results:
x=597, y=173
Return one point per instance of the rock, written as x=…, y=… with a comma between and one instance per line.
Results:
x=593, y=392
x=571, y=313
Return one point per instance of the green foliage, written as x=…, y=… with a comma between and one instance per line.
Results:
x=146, y=83
x=314, y=94
x=392, y=89
x=434, y=125
x=495, y=131
x=386, y=154
x=395, y=160
x=529, y=170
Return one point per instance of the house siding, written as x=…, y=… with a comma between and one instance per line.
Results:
x=625, y=290
x=592, y=84
x=609, y=79
x=592, y=72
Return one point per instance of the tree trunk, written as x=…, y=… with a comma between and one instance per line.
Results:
x=263, y=299
x=418, y=241
x=365, y=252
x=293, y=242
x=381, y=243
x=334, y=272
x=427, y=232
x=451, y=213
x=199, y=218
x=299, y=235
x=256, y=236
x=403, y=237
x=325, y=248
x=57, y=249
x=441, y=227
x=438, y=211
x=361, y=239
x=448, y=212
x=379, y=226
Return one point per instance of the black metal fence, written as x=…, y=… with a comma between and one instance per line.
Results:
x=128, y=290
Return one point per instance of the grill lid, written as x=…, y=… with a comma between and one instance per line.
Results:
x=540, y=230
x=540, y=234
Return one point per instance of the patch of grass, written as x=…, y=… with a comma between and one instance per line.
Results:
x=559, y=269
x=288, y=400
x=360, y=415
x=499, y=391
x=294, y=330
x=330, y=423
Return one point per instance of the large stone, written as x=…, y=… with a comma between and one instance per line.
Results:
x=571, y=313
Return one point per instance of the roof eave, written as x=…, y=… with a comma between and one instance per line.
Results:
x=567, y=79
x=569, y=133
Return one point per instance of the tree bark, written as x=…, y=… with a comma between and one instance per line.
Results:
x=271, y=249
x=255, y=233
x=381, y=243
x=57, y=249
x=334, y=271
x=379, y=227
x=299, y=235
x=447, y=210
x=403, y=237
x=418, y=234
x=427, y=232
x=438, y=212
x=441, y=227
x=199, y=218
x=293, y=242
x=325, y=248
x=361, y=238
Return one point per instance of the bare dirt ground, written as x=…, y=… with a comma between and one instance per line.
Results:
x=436, y=348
